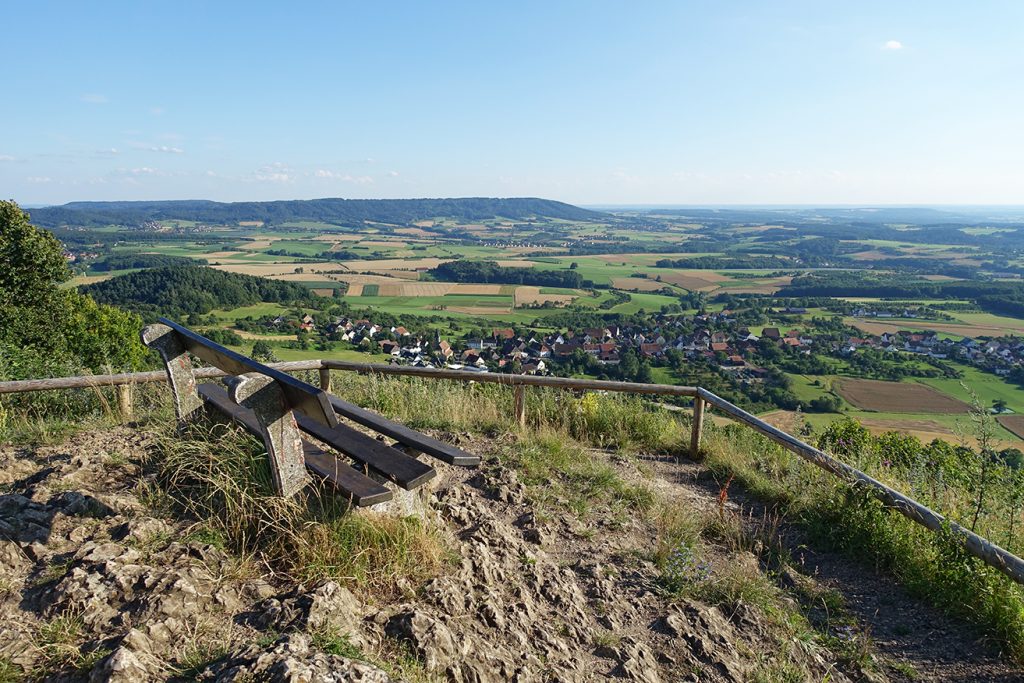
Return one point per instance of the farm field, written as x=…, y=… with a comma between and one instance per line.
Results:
x=895, y=397
x=969, y=325
x=1013, y=423
x=926, y=427
x=389, y=276
x=912, y=418
x=985, y=386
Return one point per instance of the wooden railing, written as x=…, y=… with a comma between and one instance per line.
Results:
x=997, y=557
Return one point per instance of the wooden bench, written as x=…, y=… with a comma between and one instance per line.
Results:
x=279, y=408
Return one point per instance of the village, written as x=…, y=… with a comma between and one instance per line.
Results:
x=721, y=340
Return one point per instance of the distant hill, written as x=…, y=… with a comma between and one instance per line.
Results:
x=911, y=215
x=352, y=212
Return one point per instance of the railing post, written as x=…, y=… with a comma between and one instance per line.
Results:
x=520, y=405
x=124, y=400
x=698, y=424
x=325, y=379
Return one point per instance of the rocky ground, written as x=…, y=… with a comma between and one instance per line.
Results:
x=96, y=585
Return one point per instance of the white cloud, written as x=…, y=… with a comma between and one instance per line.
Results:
x=145, y=170
x=39, y=179
x=156, y=111
x=7, y=157
x=892, y=45
x=344, y=177
x=393, y=174
x=94, y=98
x=276, y=172
x=167, y=150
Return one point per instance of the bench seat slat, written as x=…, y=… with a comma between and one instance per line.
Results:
x=404, y=470
x=421, y=442
x=363, y=490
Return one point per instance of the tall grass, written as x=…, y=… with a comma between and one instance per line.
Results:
x=221, y=478
x=932, y=566
x=600, y=420
x=562, y=474
x=53, y=415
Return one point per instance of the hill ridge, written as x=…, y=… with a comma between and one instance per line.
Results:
x=334, y=210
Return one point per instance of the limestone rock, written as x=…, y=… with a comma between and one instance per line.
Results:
x=291, y=660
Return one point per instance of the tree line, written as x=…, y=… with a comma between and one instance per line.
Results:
x=181, y=290
x=489, y=272
x=132, y=261
x=47, y=329
x=336, y=211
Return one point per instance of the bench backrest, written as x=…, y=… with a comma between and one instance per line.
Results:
x=313, y=402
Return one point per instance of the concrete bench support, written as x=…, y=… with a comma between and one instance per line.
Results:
x=187, y=403
x=280, y=432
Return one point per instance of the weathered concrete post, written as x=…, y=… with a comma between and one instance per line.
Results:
x=325, y=379
x=698, y=424
x=281, y=434
x=519, y=410
x=187, y=403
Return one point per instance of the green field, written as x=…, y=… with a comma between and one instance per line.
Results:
x=985, y=386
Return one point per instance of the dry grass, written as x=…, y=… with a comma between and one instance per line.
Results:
x=872, y=327
x=221, y=476
x=695, y=280
x=762, y=286
x=396, y=264
x=273, y=269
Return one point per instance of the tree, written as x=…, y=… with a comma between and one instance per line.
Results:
x=32, y=265
x=39, y=319
x=999, y=406
x=262, y=352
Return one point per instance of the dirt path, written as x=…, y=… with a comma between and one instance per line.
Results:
x=915, y=640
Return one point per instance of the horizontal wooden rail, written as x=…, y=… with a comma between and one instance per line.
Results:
x=513, y=380
x=990, y=553
x=88, y=381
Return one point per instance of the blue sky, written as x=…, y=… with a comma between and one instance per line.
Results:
x=590, y=102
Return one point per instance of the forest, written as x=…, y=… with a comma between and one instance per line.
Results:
x=176, y=291
x=132, y=261
x=1006, y=298
x=489, y=272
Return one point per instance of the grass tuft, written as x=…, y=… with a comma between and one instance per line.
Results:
x=561, y=474
x=221, y=476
